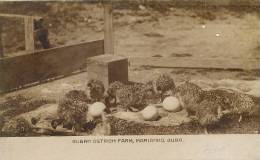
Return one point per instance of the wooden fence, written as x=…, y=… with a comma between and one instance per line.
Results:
x=19, y=71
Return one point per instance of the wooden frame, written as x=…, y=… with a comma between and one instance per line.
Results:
x=28, y=28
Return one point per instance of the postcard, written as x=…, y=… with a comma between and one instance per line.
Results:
x=141, y=79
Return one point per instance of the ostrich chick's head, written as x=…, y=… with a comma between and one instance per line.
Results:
x=149, y=93
x=165, y=85
x=77, y=95
x=113, y=87
x=95, y=90
x=111, y=94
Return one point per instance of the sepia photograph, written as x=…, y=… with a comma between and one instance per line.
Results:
x=125, y=68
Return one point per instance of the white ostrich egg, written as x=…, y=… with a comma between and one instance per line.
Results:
x=171, y=104
x=96, y=109
x=150, y=113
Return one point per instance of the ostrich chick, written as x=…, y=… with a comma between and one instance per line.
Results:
x=144, y=95
x=17, y=127
x=208, y=113
x=165, y=85
x=189, y=95
x=132, y=97
x=95, y=90
x=72, y=110
x=212, y=107
x=243, y=105
x=110, y=97
x=149, y=93
x=236, y=103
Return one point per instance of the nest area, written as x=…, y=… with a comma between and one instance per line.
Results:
x=132, y=123
x=22, y=116
x=230, y=126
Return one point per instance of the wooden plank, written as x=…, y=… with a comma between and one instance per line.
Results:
x=40, y=66
x=108, y=30
x=1, y=41
x=197, y=63
x=17, y=16
x=29, y=33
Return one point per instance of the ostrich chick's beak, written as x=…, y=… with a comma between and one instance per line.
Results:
x=168, y=93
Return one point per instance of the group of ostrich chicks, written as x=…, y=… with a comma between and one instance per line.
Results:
x=205, y=107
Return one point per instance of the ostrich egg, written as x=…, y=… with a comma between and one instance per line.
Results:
x=150, y=113
x=96, y=109
x=171, y=104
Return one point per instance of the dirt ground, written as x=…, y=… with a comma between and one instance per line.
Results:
x=148, y=30
x=151, y=31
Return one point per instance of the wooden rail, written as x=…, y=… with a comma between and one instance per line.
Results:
x=17, y=16
x=197, y=63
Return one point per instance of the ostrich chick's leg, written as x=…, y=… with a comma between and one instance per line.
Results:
x=76, y=129
x=220, y=113
x=240, y=118
x=206, y=130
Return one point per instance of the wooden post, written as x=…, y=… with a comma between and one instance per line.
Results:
x=108, y=28
x=29, y=33
x=1, y=40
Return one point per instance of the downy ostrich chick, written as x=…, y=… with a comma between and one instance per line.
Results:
x=236, y=103
x=95, y=90
x=208, y=113
x=110, y=97
x=17, y=127
x=189, y=95
x=165, y=85
x=243, y=105
x=217, y=103
x=212, y=108
x=150, y=94
x=133, y=97
x=207, y=107
x=144, y=94
x=72, y=110
x=127, y=99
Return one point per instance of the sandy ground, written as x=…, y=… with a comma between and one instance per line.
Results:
x=182, y=33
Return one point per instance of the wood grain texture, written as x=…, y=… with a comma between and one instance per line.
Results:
x=1, y=41
x=197, y=63
x=108, y=30
x=29, y=33
x=40, y=66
